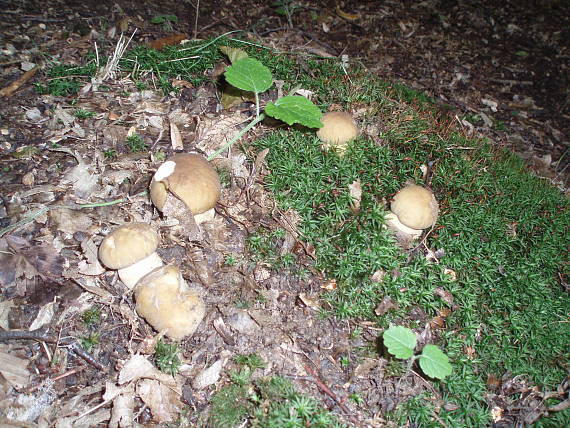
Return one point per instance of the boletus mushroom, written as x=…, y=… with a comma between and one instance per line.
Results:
x=337, y=130
x=166, y=302
x=131, y=249
x=413, y=209
x=189, y=178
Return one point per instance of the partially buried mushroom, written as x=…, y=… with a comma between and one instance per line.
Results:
x=189, y=178
x=338, y=129
x=131, y=250
x=414, y=208
x=166, y=302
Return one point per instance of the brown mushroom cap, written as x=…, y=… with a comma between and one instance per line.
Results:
x=127, y=245
x=415, y=206
x=164, y=300
x=338, y=129
x=190, y=178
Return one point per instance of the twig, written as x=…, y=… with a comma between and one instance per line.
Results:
x=41, y=336
x=196, y=20
x=331, y=394
x=16, y=84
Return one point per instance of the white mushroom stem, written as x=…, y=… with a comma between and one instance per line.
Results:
x=205, y=216
x=393, y=223
x=131, y=274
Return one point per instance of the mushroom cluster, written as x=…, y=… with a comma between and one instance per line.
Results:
x=413, y=209
x=185, y=183
x=162, y=296
x=338, y=129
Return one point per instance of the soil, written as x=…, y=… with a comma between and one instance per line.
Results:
x=504, y=65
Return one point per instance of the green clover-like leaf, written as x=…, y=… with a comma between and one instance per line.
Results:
x=400, y=342
x=434, y=362
x=295, y=109
x=249, y=74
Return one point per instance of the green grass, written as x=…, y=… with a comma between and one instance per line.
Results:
x=267, y=402
x=503, y=232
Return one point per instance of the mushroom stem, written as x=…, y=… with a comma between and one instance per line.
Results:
x=131, y=274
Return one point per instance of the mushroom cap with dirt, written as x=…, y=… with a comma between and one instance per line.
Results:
x=190, y=178
x=166, y=302
x=413, y=208
x=131, y=249
x=338, y=129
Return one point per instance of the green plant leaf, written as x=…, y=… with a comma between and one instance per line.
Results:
x=249, y=74
x=400, y=342
x=295, y=109
x=434, y=362
x=233, y=54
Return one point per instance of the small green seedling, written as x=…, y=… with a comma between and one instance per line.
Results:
x=91, y=316
x=135, y=143
x=250, y=75
x=401, y=342
x=89, y=342
x=83, y=114
x=166, y=357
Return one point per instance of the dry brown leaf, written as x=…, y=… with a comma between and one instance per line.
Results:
x=385, y=305
x=170, y=40
x=70, y=221
x=138, y=367
x=355, y=190
x=163, y=401
x=5, y=308
x=44, y=316
x=175, y=137
x=14, y=369
x=35, y=259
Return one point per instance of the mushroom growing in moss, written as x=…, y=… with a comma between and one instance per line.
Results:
x=337, y=130
x=414, y=208
x=166, y=302
x=189, y=178
x=131, y=250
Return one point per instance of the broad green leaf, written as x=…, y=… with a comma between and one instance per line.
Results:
x=249, y=74
x=400, y=342
x=233, y=54
x=295, y=109
x=434, y=362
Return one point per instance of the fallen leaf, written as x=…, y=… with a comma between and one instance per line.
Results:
x=170, y=40
x=44, y=316
x=43, y=258
x=310, y=301
x=175, y=137
x=355, y=190
x=385, y=305
x=163, y=401
x=14, y=370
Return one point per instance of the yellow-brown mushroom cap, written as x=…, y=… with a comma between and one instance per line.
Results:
x=190, y=178
x=127, y=245
x=337, y=130
x=415, y=206
x=164, y=300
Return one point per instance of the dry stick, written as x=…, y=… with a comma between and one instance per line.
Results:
x=41, y=336
x=331, y=394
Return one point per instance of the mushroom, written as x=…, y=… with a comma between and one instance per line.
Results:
x=338, y=129
x=189, y=178
x=131, y=250
x=413, y=208
x=166, y=302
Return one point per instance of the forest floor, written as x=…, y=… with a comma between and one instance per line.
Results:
x=298, y=284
